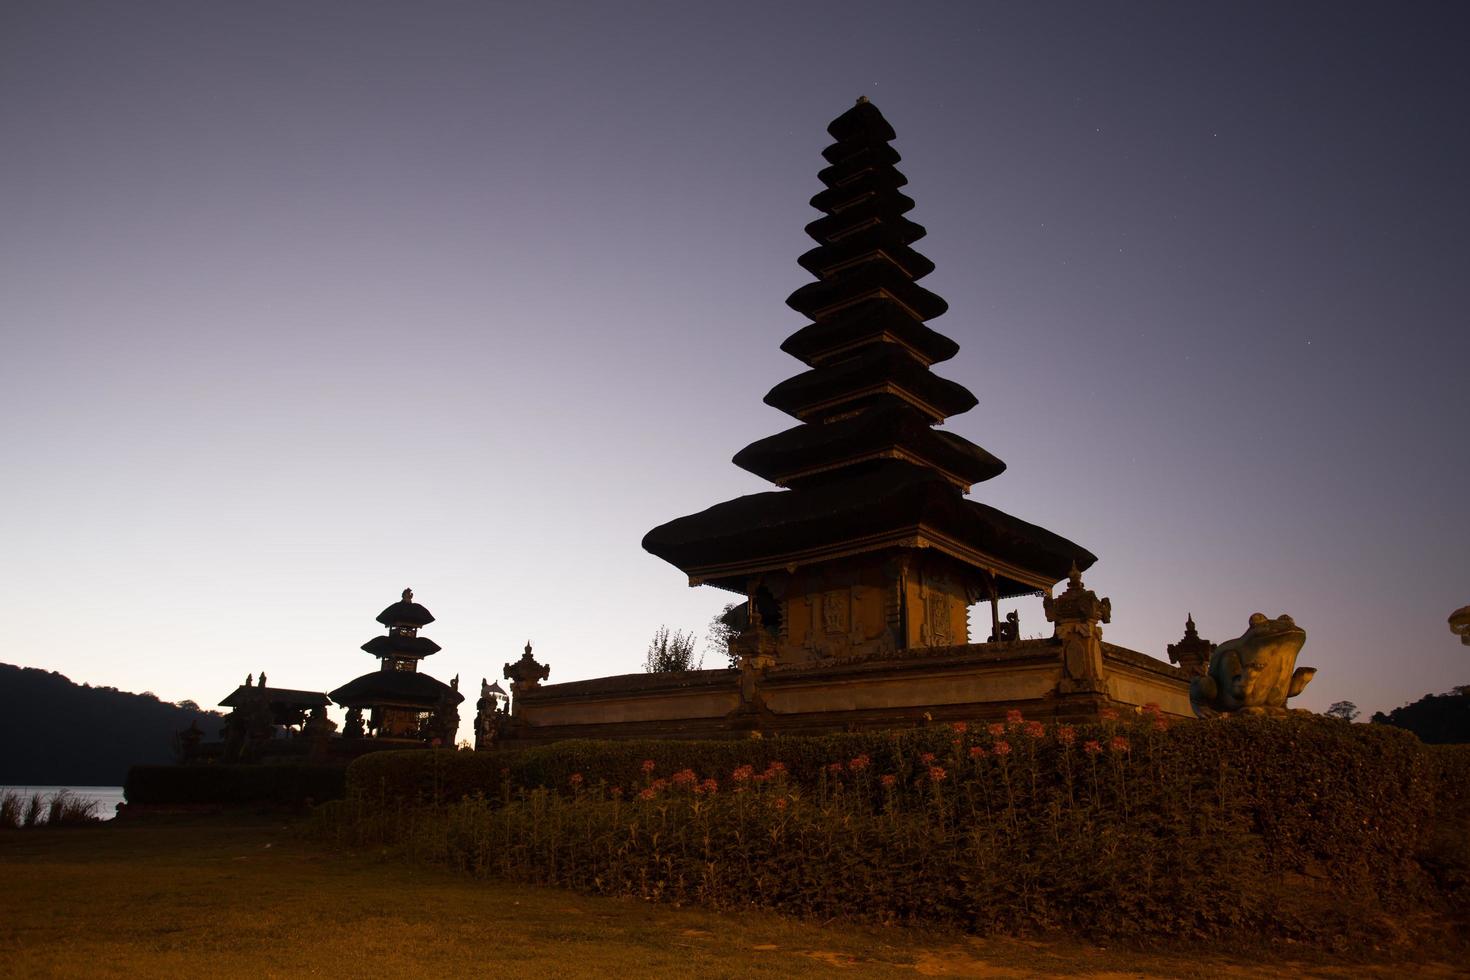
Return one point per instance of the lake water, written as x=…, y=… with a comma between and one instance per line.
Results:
x=107, y=797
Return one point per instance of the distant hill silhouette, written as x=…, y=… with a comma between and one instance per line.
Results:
x=54, y=732
x=1438, y=719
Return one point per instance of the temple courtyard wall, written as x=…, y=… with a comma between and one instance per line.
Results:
x=971, y=682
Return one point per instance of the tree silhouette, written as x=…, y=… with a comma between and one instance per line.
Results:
x=1345, y=710
x=670, y=653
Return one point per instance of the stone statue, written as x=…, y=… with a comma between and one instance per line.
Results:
x=1253, y=673
x=354, y=727
x=262, y=678
x=1460, y=624
x=249, y=680
x=442, y=726
x=1009, y=631
x=490, y=714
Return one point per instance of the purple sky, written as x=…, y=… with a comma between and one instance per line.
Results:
x=303, y=303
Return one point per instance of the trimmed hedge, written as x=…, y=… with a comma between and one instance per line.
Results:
x=234, y=785
x=1303, y=827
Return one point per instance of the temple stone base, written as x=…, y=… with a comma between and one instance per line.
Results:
x=971, y=682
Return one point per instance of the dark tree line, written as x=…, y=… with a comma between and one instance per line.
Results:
x=1438, y=719
x=54, y=732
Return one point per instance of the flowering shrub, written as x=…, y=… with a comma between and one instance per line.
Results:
x=1115, y=828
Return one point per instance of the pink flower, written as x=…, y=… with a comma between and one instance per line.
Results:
x=1013, y=717
x=648, y=794
x=959, y=727
x=859, y=763
x=710, y=787
x=684, y=777
x=742, y=773
x=977, y=751
x=1002, y=748
x=996, y=729
x=1160, y=723
x=1066, y=734
x=779, y=803
x=575, y=779
x=1034, y=729
x=1091, y=746
x=926, y=758
x=775, y=769
x=648, y=766
x=835, y=767
x=936, y=774
x=1108, y=714
x=1118, y=744
x=659, y=785
x=888, y=780
x=617, y=792
x=1152, y=708
x=957, y=743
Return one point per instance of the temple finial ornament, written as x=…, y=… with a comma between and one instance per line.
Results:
x=1192, y=653
x=408, y=595
x=526, y=674
x=1252, y=674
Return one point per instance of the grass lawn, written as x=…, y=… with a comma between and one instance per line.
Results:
x=247, y=896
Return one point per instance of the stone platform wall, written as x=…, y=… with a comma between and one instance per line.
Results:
x=974, y=682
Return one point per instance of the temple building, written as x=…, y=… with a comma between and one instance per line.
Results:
x=859, y=571
x=874, y=547
x=401, y=701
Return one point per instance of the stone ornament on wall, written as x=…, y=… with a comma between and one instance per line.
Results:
x=1254, y=673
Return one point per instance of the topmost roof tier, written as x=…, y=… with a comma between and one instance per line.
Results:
x=406, y=614
x=867, y=290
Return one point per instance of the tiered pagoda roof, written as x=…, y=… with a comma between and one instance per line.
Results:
x=866, y=469
x=397, y=683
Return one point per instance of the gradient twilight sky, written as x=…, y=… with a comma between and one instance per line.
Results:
x=306, y=302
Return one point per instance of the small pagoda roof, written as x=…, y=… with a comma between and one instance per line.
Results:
x=395, y=688
x=275, y=695
x=894, y=504
x=406, y=613
x=398, y=645
x=881, y=369
x=863, y=123
x=893, y=431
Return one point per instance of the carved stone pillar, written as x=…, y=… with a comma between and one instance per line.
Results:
x=1077, y=613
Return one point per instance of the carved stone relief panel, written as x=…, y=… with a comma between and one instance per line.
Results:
x=835, y=611
x=936, y=615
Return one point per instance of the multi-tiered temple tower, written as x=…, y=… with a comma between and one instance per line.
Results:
x=403, y=702
x=873, y=546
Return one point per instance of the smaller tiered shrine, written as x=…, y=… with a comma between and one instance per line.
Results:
x=401, y=701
